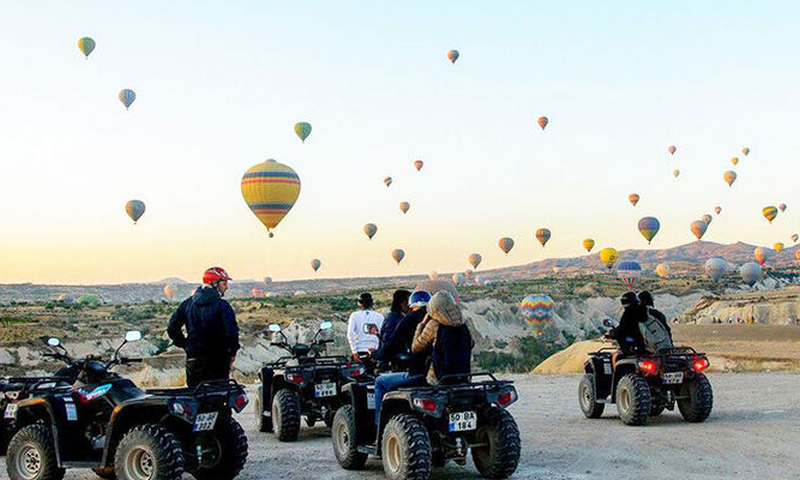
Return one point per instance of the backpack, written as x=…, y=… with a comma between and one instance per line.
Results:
x=654, y=333
x=452, y=351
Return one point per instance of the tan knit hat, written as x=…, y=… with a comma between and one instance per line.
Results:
x=444, y=310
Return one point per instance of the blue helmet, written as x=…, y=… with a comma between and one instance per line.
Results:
x=420, y=298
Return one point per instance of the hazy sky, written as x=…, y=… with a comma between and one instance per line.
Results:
x=220, y=85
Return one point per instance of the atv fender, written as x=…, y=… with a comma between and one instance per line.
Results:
x=355, y=394
x=33, y=410
x=624, y=367
x=602, y=380
x=127, y=415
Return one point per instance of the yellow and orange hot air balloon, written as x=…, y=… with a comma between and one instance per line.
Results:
x=633, y=198
x=676, y=172
x=778, y=247
x=418, y=164
x=769, y=213
x=588, y=244
x=542, y=121
x=663, y=270
x=735, y=161
x=404, y=206
x=609, y=256
x=730, y=177
x=475, y=260
x=270, y=189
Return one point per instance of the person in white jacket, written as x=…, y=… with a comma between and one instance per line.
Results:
x=363, y=344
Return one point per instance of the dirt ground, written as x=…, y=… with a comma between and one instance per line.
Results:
x=753, y=432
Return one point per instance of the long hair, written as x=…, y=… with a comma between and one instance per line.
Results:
x=399, y=297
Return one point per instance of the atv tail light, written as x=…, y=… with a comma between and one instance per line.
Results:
x=184, y=410
x=295, y=378
x=239, y=402
x=648, y=366
x=425, y=404
x=356, y=372
x=699, y=364
x=505, y=398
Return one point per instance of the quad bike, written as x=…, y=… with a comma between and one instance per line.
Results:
x=644, y=385
x=105, y=422
x=424, y=427
x=304, y=384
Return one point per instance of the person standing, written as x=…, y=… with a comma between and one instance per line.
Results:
x=363, y=344
x=212, y=334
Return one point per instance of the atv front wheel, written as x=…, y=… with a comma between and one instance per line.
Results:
x=31, y=455
x=149, y=452
x=286, y=415
x=697, y=399
x=345, y=444
x=500, y=457
x=262, y=424
x=406, y=449
x=224, y=452
x=633, y=400
x=587, y=397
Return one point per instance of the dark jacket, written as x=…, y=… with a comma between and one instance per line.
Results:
x=210, y=322
x=400, y=342
x=627, y=333
x=389, y=326
x=661, y=318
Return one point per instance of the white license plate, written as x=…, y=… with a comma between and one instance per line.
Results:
x=11, y=411
x=463, y=421
x=205, y=422
x=672, y=378
x=325, y=390
x=370, y=401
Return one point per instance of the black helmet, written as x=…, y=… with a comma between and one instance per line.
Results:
x=646, y=298
x=365, y=300
x=628, y=298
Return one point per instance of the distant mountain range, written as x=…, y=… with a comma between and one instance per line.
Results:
x=683, y=258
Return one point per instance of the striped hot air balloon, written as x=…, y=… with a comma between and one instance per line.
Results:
x=303, y=130
x=315, y=264
x=370, y=229
x=648, y=227
x=769, y=213
x=270, y=189
x=86, y=45
x=537, y=310
x=475, y=260
x=542, y=121
x=506, y=244
x=628, y=271
x=543, y=235
x=127, y=96
x=452, y=55
x=633, y=198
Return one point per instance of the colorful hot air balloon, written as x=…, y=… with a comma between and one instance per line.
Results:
x=398, y=255
x=458, y=278
x=778, y=247
x=270, y=189
x=769, y=213
x=303, y=130
x=782, y=207
x=169, y=291
x=468, y=273
x=648, y=227
x=707, y=218
x=267, y=281
x=588, y=244
x=735, y=160
x=663, y=270
x=418, y=164
x=609, y=257
x=404, y=206
x=628, y=271
x=672, y=149
x=506, y=244
x=387, y=181
x=475, y=260
x=135, y=209
x=537, y=309
x=676, y=172
x=795, y=237
x=127, y=96
x=746, y=151
x=633, y=198
x=716, y=267
x=797, y=254
x=698, y=227
x=543, y=235
x=256, y=292
x=730, y=177
x=370, y=230
x=86, y=45
x=435, y=286
x=315, y=264
x=750, y=272
x=760, y=254
x=717, y=209
x=452, y=55
x=542, y=121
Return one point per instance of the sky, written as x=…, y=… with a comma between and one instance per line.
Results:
x=220, y=86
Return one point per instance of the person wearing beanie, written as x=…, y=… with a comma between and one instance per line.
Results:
x=444, y=335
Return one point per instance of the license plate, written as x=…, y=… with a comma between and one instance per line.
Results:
x=205, y=422
x=607, y=368
x=371, y=401
x=463, y=421
x=672, y=378
x=325, y=390
x=11, y=411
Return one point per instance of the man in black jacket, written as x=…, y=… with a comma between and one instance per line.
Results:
x=212, y=334
x=627, y=333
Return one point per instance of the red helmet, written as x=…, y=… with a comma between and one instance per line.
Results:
x=214, y=275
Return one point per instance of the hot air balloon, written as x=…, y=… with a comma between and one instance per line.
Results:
x=387, y=181
x=750, y=272
x=588, y=244
x=716, y=267
x=797, y=254
x=127, y=96
x=267, y=281
x=746, y=151
x=672, y=149
x=432, y=275
x=452, y=55
x=404, y=206
x=760, y=254
x=628, y=271
x=169, y=291
x=795, y=237
x=663, y=270
x=418, y=164
x=435, y=286
x=303, y=130
x=370, y=230
x=730, y=177
x=135, y=209
x=707, y=218
x=86, y=45
x=735, y=160
x=769, y=213
x=676, y=172
x=506, y=244
x=270, y=190
x=537, y=310
x=458, y=278
x=782, y=207
x=315, y=264
x=256, y=292
x=475, y=260
x=609, y=257
x=717, y=210
x=543, y=121
x=543, y=235
x=633, y=198
x=778, y=247
x=698, y=227
x=648, y=227
x=398, y=255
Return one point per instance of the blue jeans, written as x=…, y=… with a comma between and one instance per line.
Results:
x=386, y=383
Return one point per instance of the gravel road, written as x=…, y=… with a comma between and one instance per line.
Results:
x=753, y=432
